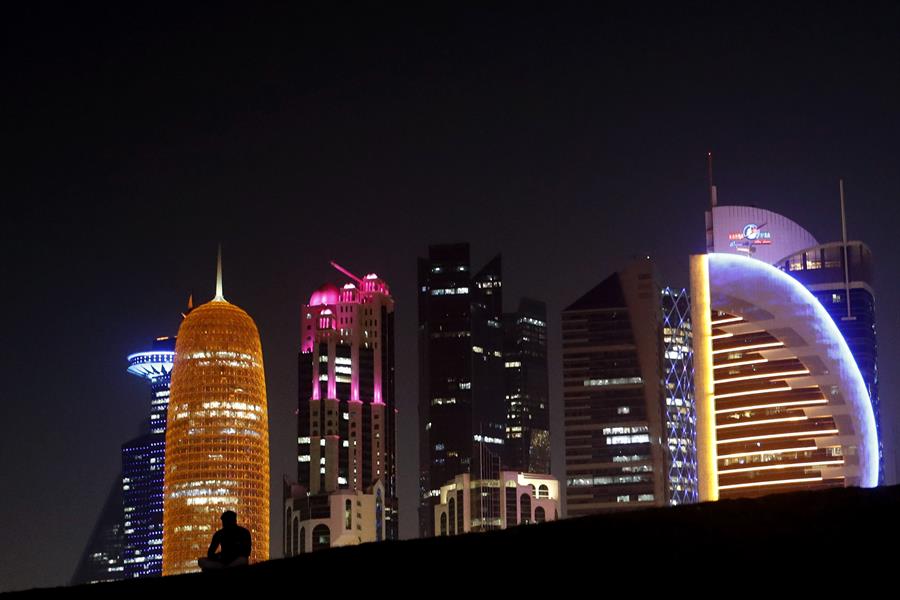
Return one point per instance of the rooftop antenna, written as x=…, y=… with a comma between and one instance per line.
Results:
x=849, y=317
x=219, y=297
x=713, y=201
x=346, y=272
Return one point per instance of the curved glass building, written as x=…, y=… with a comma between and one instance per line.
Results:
x=217, y=439
x=781, y=403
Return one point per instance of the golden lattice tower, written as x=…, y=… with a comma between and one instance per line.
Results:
x=217, y=438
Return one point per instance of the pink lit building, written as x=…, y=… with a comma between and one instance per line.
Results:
x=346, y=481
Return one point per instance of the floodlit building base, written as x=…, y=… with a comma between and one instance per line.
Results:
x=343, y=518
x=469, y=505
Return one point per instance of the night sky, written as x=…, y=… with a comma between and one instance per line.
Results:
x=570, y=140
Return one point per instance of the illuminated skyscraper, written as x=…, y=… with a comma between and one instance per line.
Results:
x=217, y=440
x=346, y=420
x=527, y=388
x=629, y=413
x=143, y=466
x=462, y=409
x=846, y=293
x=781, y=403
x=849, y=297
x=681, y=417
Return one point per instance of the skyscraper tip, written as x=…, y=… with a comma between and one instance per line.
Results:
x=219, y=297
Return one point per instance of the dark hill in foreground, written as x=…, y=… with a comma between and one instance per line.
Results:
x=743, y=541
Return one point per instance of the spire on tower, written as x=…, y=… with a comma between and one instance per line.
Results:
x=219, y=297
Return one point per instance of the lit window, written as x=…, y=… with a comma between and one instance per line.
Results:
x=617, y=381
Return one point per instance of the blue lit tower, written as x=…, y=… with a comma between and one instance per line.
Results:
x=841, y=277
x=143, y=466
x=681, y=416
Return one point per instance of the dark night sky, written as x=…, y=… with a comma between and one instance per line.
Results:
x=569, y=140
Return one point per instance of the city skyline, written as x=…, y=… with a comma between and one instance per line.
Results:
x=319, y=137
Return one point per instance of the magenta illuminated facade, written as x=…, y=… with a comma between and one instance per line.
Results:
x=346, y=417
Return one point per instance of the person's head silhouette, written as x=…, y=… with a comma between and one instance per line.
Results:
x=229, y=518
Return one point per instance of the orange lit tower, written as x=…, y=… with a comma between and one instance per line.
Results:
x=217, y=439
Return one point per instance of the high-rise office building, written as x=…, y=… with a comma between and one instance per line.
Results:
x=847, y=294
x=346, y=420
x=781, y=403
x=217, y=437
x=849, y=297
x=527, y=388
x=462, y=409
x=626, y=387
x=143, y=466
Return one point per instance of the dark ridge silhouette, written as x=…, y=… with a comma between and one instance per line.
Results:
x=844, y=536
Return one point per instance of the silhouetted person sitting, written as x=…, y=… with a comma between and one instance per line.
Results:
x=235, y=543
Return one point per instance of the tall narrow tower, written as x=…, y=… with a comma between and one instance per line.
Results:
x=346, y=419
x=217, y=439
x=462, y=409
x=143, y=466
x=527, y=388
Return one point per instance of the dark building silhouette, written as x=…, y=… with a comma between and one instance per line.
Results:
x=527, y=389
x=462, y=410
x=102, y=557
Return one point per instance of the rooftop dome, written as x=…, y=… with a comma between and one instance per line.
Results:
x=327, y=294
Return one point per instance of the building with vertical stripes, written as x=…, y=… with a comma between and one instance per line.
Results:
x=346, y=491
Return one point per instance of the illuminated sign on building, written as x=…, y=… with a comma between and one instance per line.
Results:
x=751, y=235
x=756, y=232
